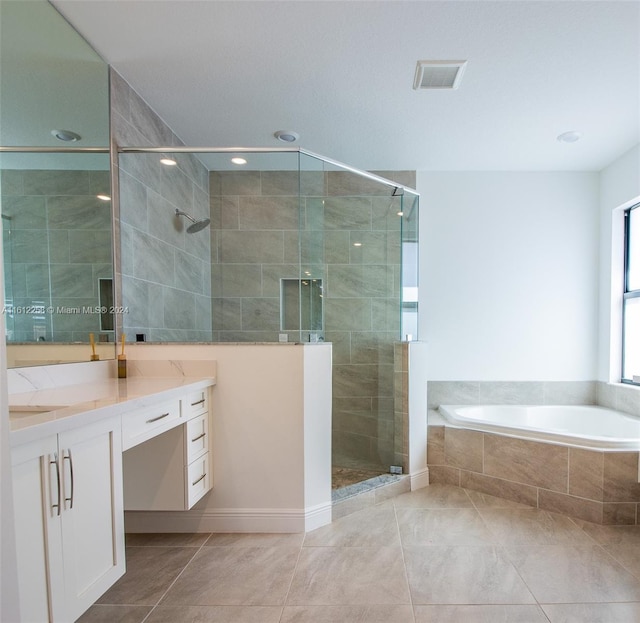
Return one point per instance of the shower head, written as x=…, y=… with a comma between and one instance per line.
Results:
x=195, y=224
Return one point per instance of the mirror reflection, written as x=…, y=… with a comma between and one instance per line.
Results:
x=51, y=80
x=56, y=232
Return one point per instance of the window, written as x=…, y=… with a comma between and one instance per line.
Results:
x=631, y=297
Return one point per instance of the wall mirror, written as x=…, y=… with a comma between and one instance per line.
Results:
x=54, y=189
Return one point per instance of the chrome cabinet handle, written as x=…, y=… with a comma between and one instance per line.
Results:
x=55, y=462
x=200, y=402
x=195, y=482
x=199, y=437
x=155, y=419
x=70, y=459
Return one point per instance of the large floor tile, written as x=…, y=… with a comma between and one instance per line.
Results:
x=463, y=575
x=593, y=613
x=434, y=496
x=484, y=500
x=352, y=614
x=621, y=542
x=294, y=539
x=215, y=614
x=247, y=576
x=573, y=574
x=349, y=576
x=114, y=614
x=447, y=526
x=525, y=527
x=170, y=539
x=374, y=527
x=150, y=572
x=480, y=614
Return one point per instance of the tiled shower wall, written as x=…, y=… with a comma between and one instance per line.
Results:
x=165, y=272
x=263, y=230
x=59, y=246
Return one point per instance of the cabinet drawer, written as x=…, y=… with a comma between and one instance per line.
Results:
x=139, y=426
x=197, y=440
x=198, y=479
x=196, y=402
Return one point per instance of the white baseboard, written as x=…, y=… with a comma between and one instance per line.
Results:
x=229, y=520
x=317, y=516
x=420, y=479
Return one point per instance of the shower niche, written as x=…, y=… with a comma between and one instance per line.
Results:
x=301, y=306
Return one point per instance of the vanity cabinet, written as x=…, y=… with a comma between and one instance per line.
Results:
x=69, y=520
x=170, y=471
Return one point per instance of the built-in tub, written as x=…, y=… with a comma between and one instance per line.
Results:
x=582, y=426
x=577, y=460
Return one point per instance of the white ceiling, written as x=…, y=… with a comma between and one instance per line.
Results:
x=340, y=73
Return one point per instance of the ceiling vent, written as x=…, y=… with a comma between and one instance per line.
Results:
x=438, y=74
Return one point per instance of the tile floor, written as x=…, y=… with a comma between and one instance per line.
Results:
x=441, y=554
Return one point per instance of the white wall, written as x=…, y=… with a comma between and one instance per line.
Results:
x=509, y=264
x=619, y=189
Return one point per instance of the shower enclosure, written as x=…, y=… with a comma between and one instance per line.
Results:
x=299, y=248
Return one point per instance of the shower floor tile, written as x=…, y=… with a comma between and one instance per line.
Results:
x=345, y=476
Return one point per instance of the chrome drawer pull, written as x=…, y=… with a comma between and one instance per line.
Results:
x=199, y=437
x=55, y=462
x=200, y=402
x=155, y=419
x=68, y=458
x=193, y=484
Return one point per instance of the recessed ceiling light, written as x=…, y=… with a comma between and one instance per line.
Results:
x=357, y=244
x=103, y=197
x=238, y=161
x=287, y=136
x=170, y=162
x=569, y=137
x=66, y=135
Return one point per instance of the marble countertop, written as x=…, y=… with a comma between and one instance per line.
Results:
x=42, y=412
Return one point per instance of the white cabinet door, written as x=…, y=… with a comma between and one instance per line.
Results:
x=36, y=497
x=92, y=512
x=69, y=521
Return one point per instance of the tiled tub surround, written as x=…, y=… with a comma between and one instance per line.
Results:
x=597, y=486
x=58, y=249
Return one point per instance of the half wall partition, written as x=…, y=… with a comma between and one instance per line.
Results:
x=299, y=248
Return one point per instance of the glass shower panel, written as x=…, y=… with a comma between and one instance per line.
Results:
x=410, y=263
x=352, y=241
x=255, y=253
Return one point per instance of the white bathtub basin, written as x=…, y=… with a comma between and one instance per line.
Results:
x=579, y=425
